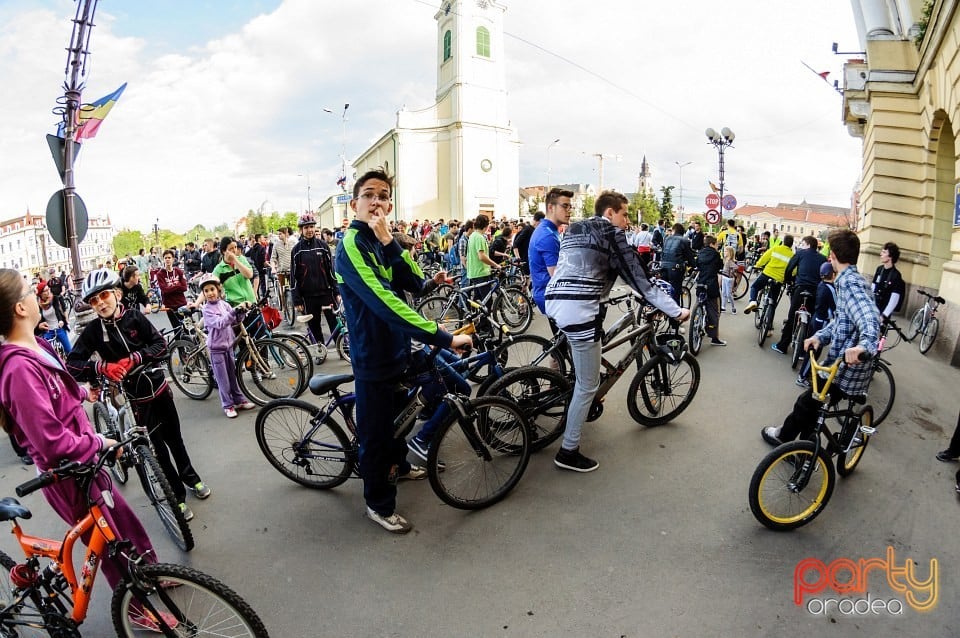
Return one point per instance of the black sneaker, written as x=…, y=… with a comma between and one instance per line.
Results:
x=771, y=434
x=573, y=460
x=947, y=456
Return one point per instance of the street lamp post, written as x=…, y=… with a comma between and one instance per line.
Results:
x=309, y=206
x=722, y=140
x=681, y=165
x=551, y=145
x=343, y=144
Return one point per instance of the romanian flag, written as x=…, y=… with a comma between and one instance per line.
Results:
x=92, y=115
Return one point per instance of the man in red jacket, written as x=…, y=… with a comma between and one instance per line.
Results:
x=172, y=283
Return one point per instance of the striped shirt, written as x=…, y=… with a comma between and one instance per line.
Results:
x=856, y=323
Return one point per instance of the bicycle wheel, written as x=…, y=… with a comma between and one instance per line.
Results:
x=799, y=334
x=882, y=391
x=526, y=349
x=514, y=308
x=661, y=390
x=697, y=328
x=929, y=335
x=759, y=309
x=775, y=498
x=741, y=286
x=765, y=321
x=289, y=309
x=107, y=425
x=542, y=395
x=314, y=454
x=343, y=345
x=275, y=372
x=915, y=324
x=301, y=346
x=161, y=496
x=201, y=604
x=484, y=454
x=854, y=440
x=443, y=310
x=190, y=369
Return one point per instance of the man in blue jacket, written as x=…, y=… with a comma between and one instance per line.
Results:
x=803, y=270
x=370, y=266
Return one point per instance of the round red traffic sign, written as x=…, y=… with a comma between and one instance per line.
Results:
x=713, y=216
x=713, y=200
x=729, y=202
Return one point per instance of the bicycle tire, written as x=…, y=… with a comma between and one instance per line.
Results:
x=916, y=323
x=514, y=308
x=523, y=350
x=190, y=369
x=542, y=395
x=773, y=483
x=656, y=384
x=301, y=346
x=483, y=456
x=765, y=321
x=289, y=308
x=108, y=427
x=697, y=331
x=160, y=494
x=759, y=308
x=882, y=391
x=289, y=377
x=281, y=427
x=188, y=595
x=27, y=620
x=443, y=310
x=799, y=333
x=741, y=286
x=343, y=346
x=929, y=335
x=847, y=461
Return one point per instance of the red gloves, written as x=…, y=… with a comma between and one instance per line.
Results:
x=117, y=371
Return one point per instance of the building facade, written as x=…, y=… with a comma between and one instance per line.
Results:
x=903, y=99
x=460, y=156
x=799, y=220
x=25, y=245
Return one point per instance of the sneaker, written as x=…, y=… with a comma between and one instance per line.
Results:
x=186, y=511
x=201, y=490
x=26, y=459
x=416, y=473
x=717, y=342
x=733, y=310
x=418, y=447
x=144, y=619
x=776, y=348
x=394, y=523
x=750, y=307
x=230, y=412
x=771, y=434
x=722, y=309
x=246, y=405
x=573, y=460
x=803, y=382
x=947, y=456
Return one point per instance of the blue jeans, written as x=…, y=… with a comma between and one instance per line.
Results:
x=60, y=335
x=586, y=357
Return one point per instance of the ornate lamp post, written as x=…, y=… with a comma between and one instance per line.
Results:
x=722, y=140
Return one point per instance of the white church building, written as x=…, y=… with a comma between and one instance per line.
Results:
x=459, y=157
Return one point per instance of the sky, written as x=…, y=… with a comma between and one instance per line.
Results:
x=223, y=112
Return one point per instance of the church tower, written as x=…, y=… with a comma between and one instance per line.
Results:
x=645, y=182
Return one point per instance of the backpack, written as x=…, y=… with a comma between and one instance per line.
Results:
x=453, y=255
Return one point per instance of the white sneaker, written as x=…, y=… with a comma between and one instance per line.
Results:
x=416, y=473
x=750, y=307
x=395, y=524
x=230, y=412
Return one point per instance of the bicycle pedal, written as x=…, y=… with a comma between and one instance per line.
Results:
x=868, y=430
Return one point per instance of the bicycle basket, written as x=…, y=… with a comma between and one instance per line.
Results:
x=672, y=345
x=271, y=317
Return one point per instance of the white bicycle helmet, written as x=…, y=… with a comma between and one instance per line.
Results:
x=207, y=278
x=97, y=281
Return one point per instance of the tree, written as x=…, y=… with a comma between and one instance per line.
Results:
x=128, y=242
x=588, y=204
x=644, y=209
x=666, y=204
x=256, y=223
x=534, y=206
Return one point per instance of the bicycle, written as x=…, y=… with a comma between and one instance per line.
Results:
x=766, y=307
x=152, y=597
x=741, y=280
x=338, y=339
x=698, y=322
x=925, y=322
x=883, y=390
x=510, y=305
x=793, y=484
x=114, y=419
x=484, y=443
x=801, y=325
x=664, y=385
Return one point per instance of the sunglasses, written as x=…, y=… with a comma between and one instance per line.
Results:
x=101, y=296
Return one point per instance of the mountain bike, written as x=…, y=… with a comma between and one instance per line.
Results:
x=113, y=418
x=925, y=322
x=801, y=325
x=338, y=339
x=767, y=304
x=477, y=457
x=509, y=305
x=793, y=484
x=883, y=389
x=47, y=595
x=741, y=280
x=698, y=322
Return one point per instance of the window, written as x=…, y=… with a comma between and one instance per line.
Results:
x=483, y=42
x=447, y=46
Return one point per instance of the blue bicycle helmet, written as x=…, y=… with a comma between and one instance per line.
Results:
x=826, y=269
x=664, y=285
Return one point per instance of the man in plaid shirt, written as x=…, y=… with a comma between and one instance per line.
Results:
x=855, y=329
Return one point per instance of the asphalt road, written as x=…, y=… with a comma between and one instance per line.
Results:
x=659, y=541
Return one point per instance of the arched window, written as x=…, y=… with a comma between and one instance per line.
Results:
x=483, y=42
x=447, y=37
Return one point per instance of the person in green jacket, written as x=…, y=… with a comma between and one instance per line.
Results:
x=773, y=264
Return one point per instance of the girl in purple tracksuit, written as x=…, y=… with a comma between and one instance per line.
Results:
x=41, y=406
x=219, y=318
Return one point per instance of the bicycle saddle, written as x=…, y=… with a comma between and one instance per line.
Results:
x=10, y=508
x=323, y=383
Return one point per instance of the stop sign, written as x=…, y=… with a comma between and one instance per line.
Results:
x=713, y=200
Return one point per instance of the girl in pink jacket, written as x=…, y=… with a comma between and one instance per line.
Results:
x=219, y=318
